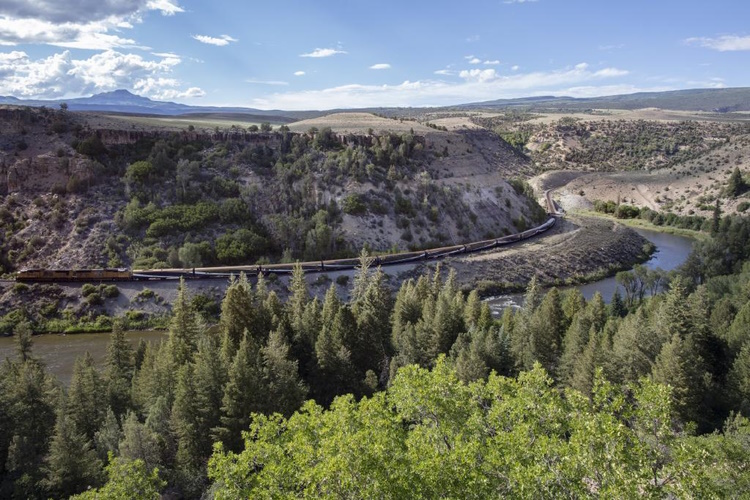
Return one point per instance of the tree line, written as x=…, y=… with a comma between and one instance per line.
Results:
x=421, y=391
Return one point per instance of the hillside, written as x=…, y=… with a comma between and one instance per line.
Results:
x=87, y=190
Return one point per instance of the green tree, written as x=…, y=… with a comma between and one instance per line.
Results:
x=86, y=397
x=284, y=391
x=71, y=465
x=243, y=393
x=118, y=374
x=736, y=185
x=183, y=328
x=127, y=480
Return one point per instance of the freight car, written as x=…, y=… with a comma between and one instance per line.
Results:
x=36, y=275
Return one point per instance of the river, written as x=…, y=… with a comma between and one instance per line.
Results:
x=671, y=252
x=59, y=352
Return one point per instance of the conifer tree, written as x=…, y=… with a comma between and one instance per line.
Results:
x=634, y=349
x=473, y=309
x=24, y=342
x=617, y=307
x=236, y=316
x=284, y=391
x=86, y=397
x=243, y=393
x=738, y=333
x=210, y=379
x=183, y=328
x=584, y=370
x=187, y=421
x=678, y=366
x=139, y=442
x=156, y=377
x=107, y=438
x=371, y=347
x=299, y=296
x=71, y=465
x=29, y=396
x=739, y=379
x=118, y=373
x=547, y=331
x=362, y=278
x=572, y=302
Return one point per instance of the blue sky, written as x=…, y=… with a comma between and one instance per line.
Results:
x=352, y=53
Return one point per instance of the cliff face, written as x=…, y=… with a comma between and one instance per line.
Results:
x=227, y=196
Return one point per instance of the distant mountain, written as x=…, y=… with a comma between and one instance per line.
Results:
x=123, y=101
x=712, y=100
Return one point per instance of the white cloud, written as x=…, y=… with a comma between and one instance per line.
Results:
x=473, y=38
x=725, y=43
x=493, y=62
x=167, y=7
x=299, y=73
x=445, y=72
x=475, y=85
x=323, y=53
x=83, y=11
x=475, y=60
x=381, y=66
x=266, y=82
x=221, y=41
x=515, y=67
x=80, y=24
x=61, y=76
x=478, y=75
x=612, y=47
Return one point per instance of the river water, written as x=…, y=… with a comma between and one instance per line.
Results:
x=671, y=252
x=59, y=352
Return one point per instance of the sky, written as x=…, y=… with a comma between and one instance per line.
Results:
x=326, y=54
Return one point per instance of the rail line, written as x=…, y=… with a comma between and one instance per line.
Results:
x=37, y=275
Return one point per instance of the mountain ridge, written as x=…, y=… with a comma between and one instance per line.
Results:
x=710, y=100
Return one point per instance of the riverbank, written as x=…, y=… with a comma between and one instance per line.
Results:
x=578, y=250
x=643, y=224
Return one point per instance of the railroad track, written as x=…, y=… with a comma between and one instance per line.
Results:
x=63, y=275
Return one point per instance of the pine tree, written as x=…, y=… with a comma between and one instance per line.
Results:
x=107, y=438
x=236, y=316
x=156, y=377
x=362, y=278
x=473, y=309
x=634, y=349
x=118, y=374
x=738, y=333
x=29, y=395
x=86, y=397
x=736, y=185
x=299, y=296
x=547, y=331
x=739, y=379
x=24, y=342
x=183, y=328
x=284, y=389
x=372, y=310
x=585, y=368
x=139, y=442
x=243, y=394
x=210, y=379
x=617, y=307
x=533, y=297
x=187, y=421
x=679, y=367
x=72, y=465
x=573, y=301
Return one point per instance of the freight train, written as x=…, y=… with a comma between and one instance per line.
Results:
x=93, y=275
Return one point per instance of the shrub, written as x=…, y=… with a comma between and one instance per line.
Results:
x=88, y=289
x=110, y=291
x=353, y=205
